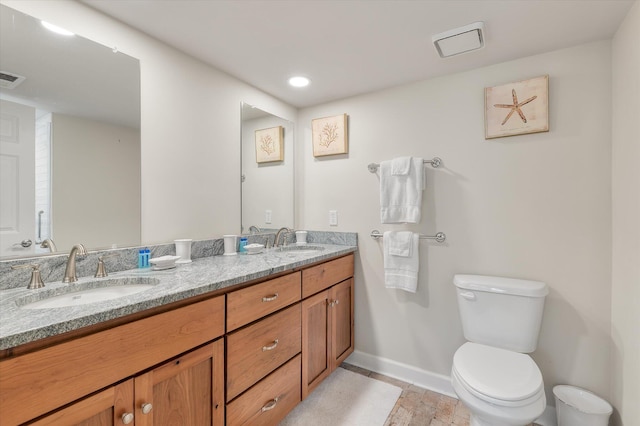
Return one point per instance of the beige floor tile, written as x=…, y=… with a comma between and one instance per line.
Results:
x=417, y=406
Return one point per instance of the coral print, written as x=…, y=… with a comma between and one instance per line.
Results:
x=270, y=145
x=329, y=135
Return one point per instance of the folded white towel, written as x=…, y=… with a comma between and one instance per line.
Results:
x=401, y=243
x=400, y=166
x=401, y=272
x=401, y=195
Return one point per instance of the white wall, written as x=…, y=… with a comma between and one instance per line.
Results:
x=190, y=127
x=534, y=206
x=99, y=162
x=625, y=304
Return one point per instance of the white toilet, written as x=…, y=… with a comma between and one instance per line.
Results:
x=491, y=374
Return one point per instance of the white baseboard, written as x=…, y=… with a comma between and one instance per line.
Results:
x=407, y=373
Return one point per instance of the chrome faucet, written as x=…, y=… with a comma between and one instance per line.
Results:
x=254, y=229
x=280, y=231
x=70, y=272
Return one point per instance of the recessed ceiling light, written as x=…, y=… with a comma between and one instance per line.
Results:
x=56, y=29
x=299, y=81
x=459, y=40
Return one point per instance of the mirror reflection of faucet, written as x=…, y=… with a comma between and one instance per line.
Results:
x=48, y=243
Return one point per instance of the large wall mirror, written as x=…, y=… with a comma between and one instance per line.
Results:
x=69, y=142
x=267, y=171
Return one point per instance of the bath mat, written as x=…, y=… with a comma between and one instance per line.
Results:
x=345, y=398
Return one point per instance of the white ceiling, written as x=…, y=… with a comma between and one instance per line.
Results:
x=350, y=47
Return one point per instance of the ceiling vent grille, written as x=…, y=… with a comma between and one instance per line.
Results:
x=460, y=40
x=9, y=80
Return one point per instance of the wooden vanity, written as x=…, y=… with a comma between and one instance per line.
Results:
x=246, y=355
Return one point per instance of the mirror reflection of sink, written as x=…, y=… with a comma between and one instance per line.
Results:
x=88, y=292
x=301, y=249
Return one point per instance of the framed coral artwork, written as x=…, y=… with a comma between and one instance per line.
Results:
x=329, y=135
x=517, y=108
x=270, y=145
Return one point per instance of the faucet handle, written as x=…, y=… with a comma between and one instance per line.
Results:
x=36, y=278
x=101, y=271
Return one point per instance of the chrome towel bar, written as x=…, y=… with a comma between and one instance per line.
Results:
x=439, y=237
x=435, y=163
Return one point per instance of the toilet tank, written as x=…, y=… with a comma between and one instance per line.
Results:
x=501, y=312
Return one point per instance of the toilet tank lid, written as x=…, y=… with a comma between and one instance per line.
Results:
x=501, y=285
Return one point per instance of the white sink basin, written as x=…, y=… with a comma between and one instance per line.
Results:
x=90, y=292
x=301, y=249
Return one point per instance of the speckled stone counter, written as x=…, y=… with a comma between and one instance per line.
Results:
x=19, y=325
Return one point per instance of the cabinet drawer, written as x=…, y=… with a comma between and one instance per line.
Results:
x=323, y=276
x=270, y=400
x=66, y=372
x=251, y=303
x=257, y=350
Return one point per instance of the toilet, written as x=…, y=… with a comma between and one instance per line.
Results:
x=492, y=374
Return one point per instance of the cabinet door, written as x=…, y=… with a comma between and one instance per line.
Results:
x=341, y=310
x=110, y=407
x=188, y=390
x=316, y=350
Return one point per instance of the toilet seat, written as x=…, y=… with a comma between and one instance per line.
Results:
x=497, y=375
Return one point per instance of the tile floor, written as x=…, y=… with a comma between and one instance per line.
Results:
x=419, y=407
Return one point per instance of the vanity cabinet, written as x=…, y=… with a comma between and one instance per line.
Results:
x=39, y=382
x=112, y=406
x=327, y=320
x=188, y=389
x=263, y=351
x=246, y=357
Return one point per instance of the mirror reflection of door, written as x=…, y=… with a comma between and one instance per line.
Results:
x=17, y=178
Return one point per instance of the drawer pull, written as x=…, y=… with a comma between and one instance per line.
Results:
x=127, y=418
x=146, y=408
x=270, y=298
x=271, y=404
x=270, y=347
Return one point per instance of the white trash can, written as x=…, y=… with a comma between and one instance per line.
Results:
x=579, y=407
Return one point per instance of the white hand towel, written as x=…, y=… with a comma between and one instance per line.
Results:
x=401, y=195
x=400, y=166
x=401, y=272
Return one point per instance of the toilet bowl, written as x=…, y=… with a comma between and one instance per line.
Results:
x=498, y=386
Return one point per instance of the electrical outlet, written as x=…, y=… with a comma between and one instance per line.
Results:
x=267, y=216
x=333, y=217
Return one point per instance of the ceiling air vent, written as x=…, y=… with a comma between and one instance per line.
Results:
x=9, y=80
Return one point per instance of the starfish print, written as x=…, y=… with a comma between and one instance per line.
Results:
x=515, y=107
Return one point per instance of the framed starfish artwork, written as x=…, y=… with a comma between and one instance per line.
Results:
x=518, y=108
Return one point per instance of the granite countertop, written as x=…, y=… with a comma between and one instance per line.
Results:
x=19, y=326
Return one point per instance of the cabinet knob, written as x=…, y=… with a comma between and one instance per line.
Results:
x=270, y=347
x=127, y=418
x=146, y=408
x=270, y=405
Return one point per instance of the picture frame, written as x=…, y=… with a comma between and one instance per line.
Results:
x=329, y=135
x=270, y=145
x=517, y=108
